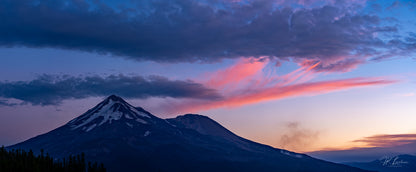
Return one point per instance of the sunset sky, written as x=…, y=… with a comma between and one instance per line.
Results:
x=301, y=75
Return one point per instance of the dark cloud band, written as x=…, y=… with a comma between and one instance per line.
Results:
x=192, y=30
x=52, y=90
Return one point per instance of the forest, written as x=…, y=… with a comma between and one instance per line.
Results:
x=18, y=160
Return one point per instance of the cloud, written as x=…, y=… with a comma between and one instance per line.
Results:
x=248, y=81
x=296, y=137
x=6, y=103
x=331, y=32
x=344, y=65
x=259, y=85
x=374, y=147
x=395, y=4
x=277, y=92
x=242, y=71
x=386, y=140
x=52, y=90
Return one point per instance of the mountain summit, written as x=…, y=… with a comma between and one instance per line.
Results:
x=128, y=138
x=112, y=109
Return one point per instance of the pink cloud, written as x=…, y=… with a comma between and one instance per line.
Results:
x=250, y=96
x=244, y=69
x=247, y=82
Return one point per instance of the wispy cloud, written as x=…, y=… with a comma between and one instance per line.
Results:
x=259, y=86
x=241, y=72
x=251, y=96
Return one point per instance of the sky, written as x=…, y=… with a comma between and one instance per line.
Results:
x=301, y=75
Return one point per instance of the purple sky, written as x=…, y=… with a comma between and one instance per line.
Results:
x=300, y=75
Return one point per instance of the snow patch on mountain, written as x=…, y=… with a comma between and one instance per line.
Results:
x=292, y=154
x=141, y=121
x=91, y=127
x=138, y=112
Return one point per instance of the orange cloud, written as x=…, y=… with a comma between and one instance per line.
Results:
x=386, y=140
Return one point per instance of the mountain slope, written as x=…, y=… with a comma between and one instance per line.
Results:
x=206, y=126
x=126, y=138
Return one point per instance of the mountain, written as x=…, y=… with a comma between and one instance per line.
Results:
x=400, y=163
x=127, y=138
x=364, y=154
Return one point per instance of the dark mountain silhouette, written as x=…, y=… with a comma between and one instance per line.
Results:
x=399, y=163
x=126, y=138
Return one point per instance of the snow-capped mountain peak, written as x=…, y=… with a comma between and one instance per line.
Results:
x=126, y=138
x=111, y=109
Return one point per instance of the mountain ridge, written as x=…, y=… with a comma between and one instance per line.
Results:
x=398, y=163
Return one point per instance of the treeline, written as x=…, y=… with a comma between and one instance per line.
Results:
x=22, y=161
